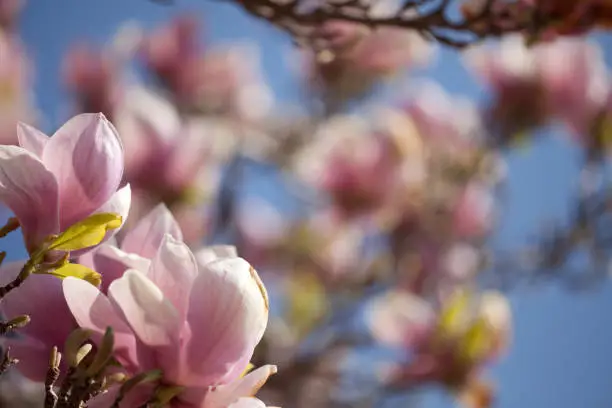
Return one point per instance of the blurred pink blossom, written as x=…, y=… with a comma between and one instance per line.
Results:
x=350, y=58
x=165, y=155
x=52, y=183
x=92, y=76
x=224, y=81
x=9, y=11
x=440, y=339
x=15, y=82
x=566, y=79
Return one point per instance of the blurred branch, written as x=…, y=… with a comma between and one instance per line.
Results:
x=429, y=17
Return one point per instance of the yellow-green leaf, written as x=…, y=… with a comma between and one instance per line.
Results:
x=454, y=315
x=86, y=233
x=477, y=342
x=78, y=271
x=307, y=301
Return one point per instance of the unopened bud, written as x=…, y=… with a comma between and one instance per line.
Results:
x=74, y=344
x=55, y=359
x=104, y=354
x=19, y=322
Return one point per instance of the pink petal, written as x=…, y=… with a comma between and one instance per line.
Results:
x=228, y=322
x=31, y=139
x=145, y=238
x=153, y=319
x=225, y=395
x=398, y=319
x=86, y=157
x=111, y=263
x=92, y=310
x=173, y=271
x=30, y=191
x=248, y=403
x=150, y=315
x=215, y=252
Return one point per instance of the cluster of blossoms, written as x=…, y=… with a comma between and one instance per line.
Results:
x=194, y=318
x=395, y=203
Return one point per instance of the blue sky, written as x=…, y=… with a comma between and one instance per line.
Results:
x=561, y=356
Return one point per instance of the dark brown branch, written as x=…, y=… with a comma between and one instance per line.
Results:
x=433, y=22
x=11, y=225
x=26, y=271
x=53, y=374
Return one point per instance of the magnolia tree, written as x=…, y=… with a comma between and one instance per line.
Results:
x=136, y=290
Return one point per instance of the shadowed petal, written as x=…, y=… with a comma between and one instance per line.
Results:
x=150, y=315
x=173, y=271
x=92, y=310
x=144, y=239
x=29, y=190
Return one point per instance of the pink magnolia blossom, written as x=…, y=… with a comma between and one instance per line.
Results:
x=440, y=339
x=566, y=79
x=365, y=166
x=15, y=82
x=445, y=121
x=215, y=81
x=576, y=80
x=197, y=317
x=52, y=183
x=92, y=76
x=169, y=159
x=165, y=155
x=9, y=10
x=353, y=57
x=170, y=51
x=473, y=211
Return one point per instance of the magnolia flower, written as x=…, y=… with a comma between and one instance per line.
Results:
x=353, y=57
x=170, y=50
x=93, y=77
x=53, y=183
x=9, y=10
x=41, y=295
x=216, y=81
x=165, y=155
x=450, y=345
x=365, y=166
x=447, y=121
x=196, y=317
x=576, y=81
x=566, y=79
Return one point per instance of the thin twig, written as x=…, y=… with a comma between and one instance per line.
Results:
x=7, y=361
x=26, y=271
x=11, y=225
